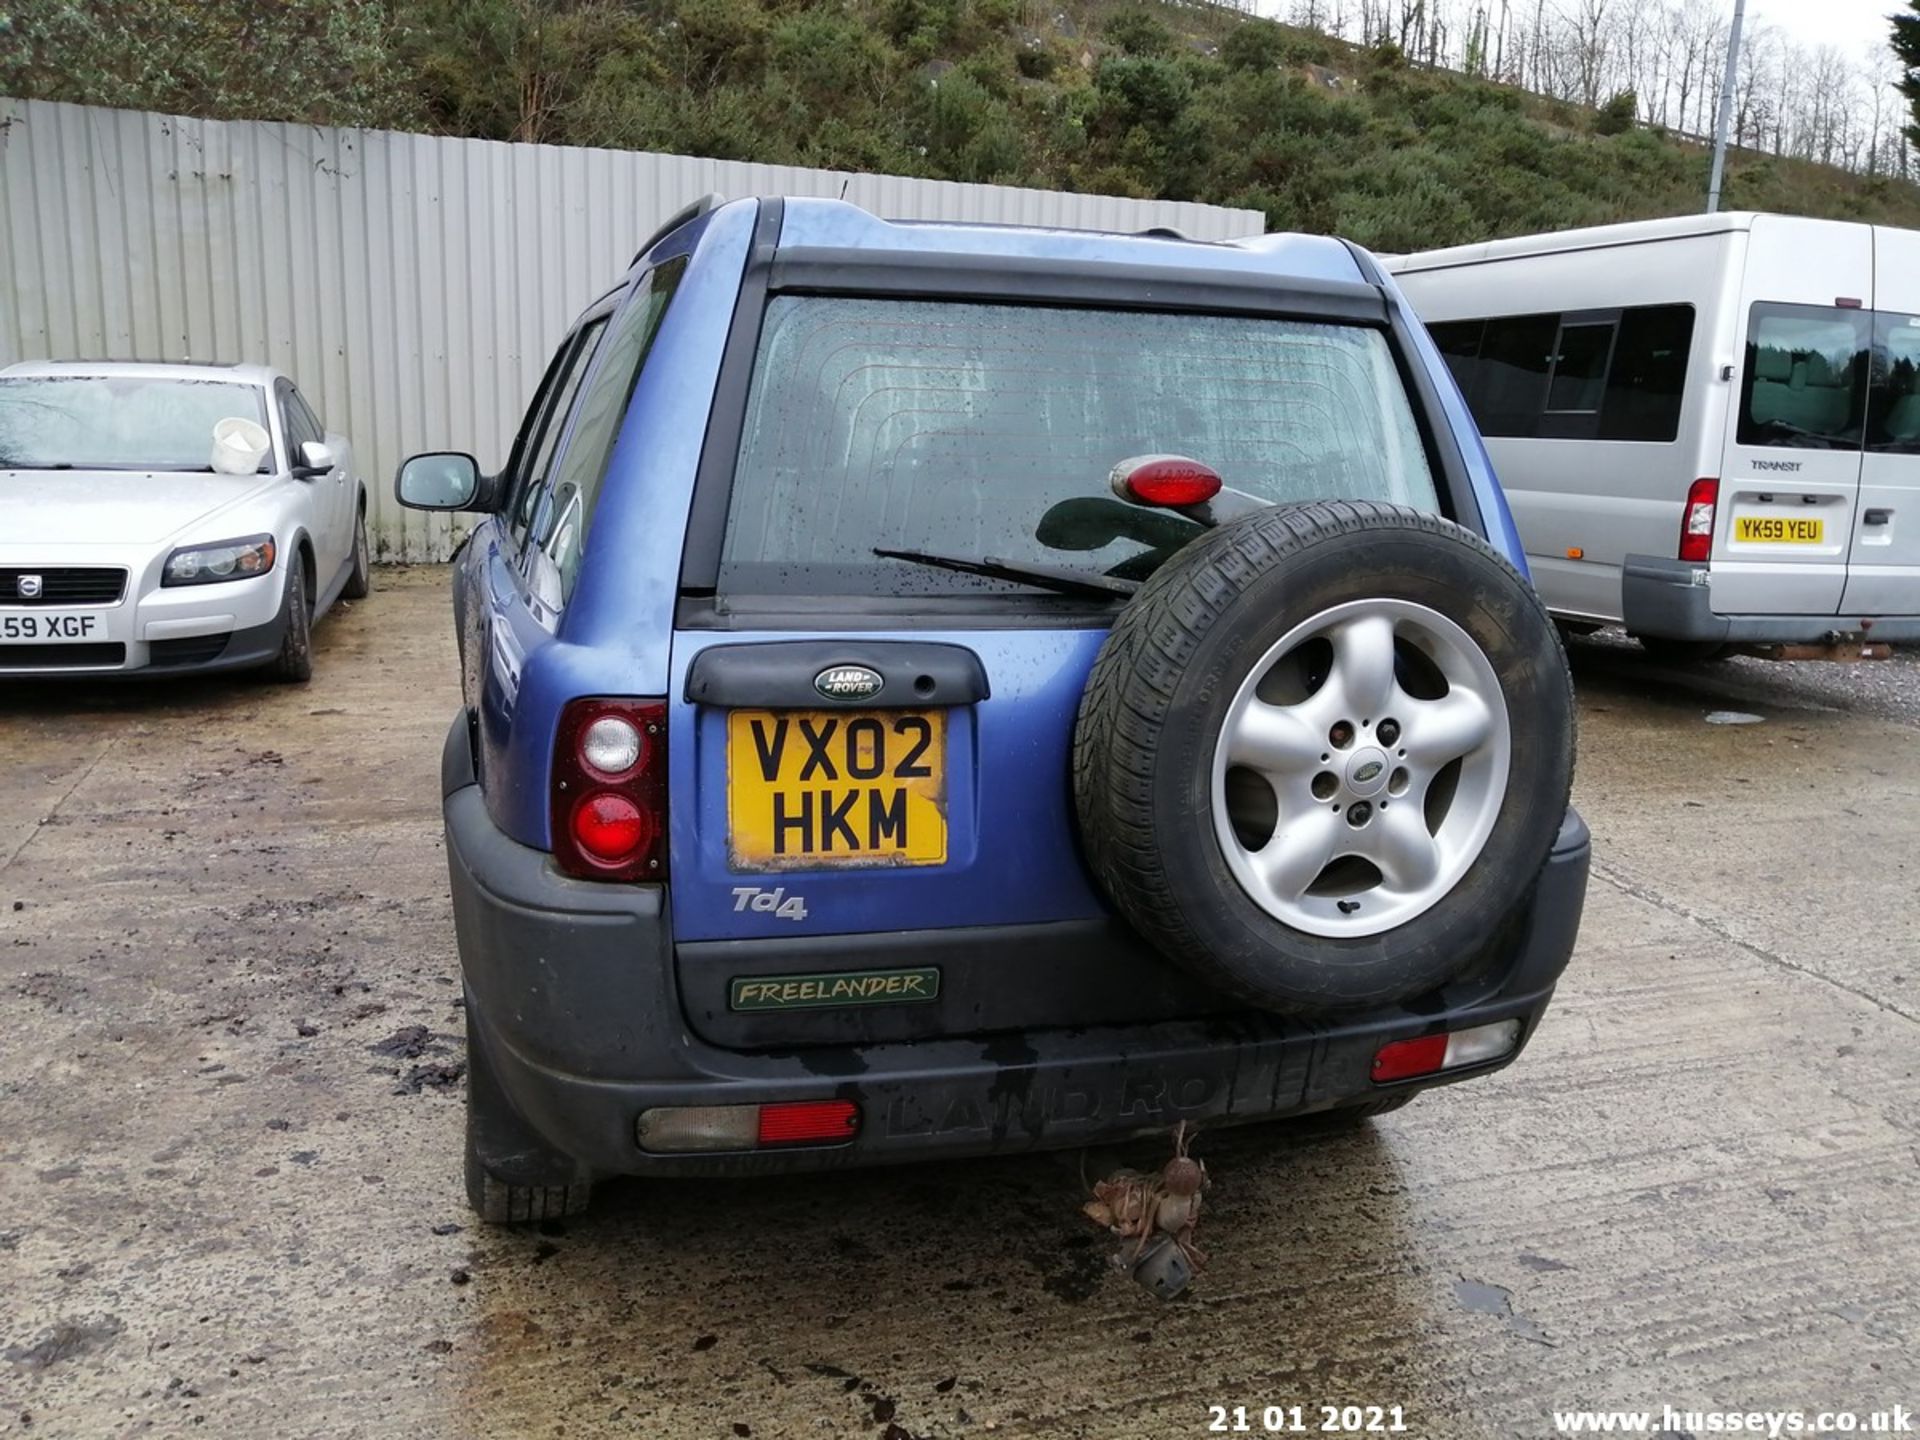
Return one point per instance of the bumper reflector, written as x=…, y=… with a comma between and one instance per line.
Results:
x=813, y=1122
x=686, y=1129
x=1430, y=1054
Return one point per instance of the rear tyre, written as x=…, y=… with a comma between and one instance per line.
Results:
x=541, y=1185
x=1324, y=753
x=1683, y=652
x=294, y=664
x=360, y=579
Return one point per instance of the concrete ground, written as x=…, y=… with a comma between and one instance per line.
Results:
x=230, y=1125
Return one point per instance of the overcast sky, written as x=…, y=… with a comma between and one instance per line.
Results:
x=1852, y=25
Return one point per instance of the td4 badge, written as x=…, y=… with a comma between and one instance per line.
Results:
x=775, y=902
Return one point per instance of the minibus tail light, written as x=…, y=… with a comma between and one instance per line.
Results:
x=1696, y=521
x=608, y=801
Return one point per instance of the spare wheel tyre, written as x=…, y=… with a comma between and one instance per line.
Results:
x=1323, y=754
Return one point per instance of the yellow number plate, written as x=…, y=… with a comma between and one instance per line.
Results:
x=819, y=789
x=1777, y=530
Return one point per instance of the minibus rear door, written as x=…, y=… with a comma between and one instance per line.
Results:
x=1790, y=479
x=1883, y=567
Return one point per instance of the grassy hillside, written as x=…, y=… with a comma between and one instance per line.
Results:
x=1132, y=97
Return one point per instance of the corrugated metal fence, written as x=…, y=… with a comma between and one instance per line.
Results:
x=413, y=285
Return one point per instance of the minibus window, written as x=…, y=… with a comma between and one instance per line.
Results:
x=1514, y=360
x=1648, y=378
x=1806, y=373
x=1893, y=408
x=1580, y=367
x=1459, y=342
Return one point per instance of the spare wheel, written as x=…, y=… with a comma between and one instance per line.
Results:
x=1324, y=752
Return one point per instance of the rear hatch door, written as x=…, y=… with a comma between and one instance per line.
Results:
x=872, y=806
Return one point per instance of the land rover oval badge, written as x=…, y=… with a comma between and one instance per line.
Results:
x=848, y=682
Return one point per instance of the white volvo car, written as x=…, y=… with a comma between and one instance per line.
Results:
x=127, y=546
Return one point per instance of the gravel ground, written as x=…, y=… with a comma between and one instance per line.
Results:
x=1888, y=689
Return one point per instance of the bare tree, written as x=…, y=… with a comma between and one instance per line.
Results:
x=1813, y=103
x=1591, y=42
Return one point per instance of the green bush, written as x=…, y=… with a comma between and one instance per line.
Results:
x=1618, y=115
x=1255, y=45
x=1139, y=30
x=1143, y=89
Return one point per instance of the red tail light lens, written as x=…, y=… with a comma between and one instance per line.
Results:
x=1170, y=480
x=808, y=1122
x=610, y=826
x=1696, y=521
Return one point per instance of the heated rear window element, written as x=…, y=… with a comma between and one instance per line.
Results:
x=989, y=431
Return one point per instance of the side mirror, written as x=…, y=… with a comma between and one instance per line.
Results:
x=316, y=458
x=440, y=480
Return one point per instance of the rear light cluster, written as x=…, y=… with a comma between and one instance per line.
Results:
x=609, y=800
x=684, y=1129
x=1696, y=522
x=1430, y=1054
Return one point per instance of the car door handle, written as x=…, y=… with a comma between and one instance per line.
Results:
x=1876, y=517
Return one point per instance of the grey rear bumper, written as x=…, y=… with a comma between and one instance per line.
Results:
x=1669, y=600
x=572, y=993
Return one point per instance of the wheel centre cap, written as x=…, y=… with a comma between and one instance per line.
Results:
x=1367, y=773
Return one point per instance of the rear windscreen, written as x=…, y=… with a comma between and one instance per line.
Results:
x=989, y=431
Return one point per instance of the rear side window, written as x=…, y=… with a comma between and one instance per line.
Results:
x=1647, y=380
x=989, y=431
x=564, y=511
x=1580, y=366
x=1583, y=375
x=1516, y=356
x=1806, y=377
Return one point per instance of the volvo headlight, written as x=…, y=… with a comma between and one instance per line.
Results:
x=224, y=560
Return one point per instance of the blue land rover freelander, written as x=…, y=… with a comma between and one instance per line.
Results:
x=944, y=689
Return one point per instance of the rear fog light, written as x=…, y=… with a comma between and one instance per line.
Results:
x=687, y=1129
x=1431, y=1054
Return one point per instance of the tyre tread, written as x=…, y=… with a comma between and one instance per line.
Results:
x=1135, y=682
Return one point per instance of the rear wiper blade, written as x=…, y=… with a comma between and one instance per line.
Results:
x=1047, y=577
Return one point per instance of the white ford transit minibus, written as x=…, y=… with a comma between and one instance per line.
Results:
x=1708, y=427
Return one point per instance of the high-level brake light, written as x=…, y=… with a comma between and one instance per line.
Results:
x=1168, y=480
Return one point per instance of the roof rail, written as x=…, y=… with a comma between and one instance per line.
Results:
x=707, y=202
